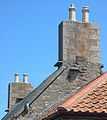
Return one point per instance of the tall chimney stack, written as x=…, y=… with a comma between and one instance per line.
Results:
x=25, y=78
x=72, y=13
x=85, y=14
x=17, y=77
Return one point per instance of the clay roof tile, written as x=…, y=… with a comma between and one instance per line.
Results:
x=91, y=98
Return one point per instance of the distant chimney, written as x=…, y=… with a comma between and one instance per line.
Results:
x=85, y=14
x=17, y=90
x=17, y=77
x=72, y=13
x=25, y=78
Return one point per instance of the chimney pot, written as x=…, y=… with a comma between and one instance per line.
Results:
x=85, y=14
x=25, y=78
x=17, y=77
x=72, y=13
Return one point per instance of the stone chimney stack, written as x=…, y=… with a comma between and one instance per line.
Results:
x=17, y=90
x=72, y=13
x=17, y=79
x=79, y=44
x=85, y=14
x=25, y=78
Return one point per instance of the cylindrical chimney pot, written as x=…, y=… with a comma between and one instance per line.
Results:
x=85, y=14
x=17, y=77
x=25, y=78
x=72, y=13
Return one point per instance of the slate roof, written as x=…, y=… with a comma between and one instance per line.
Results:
x=91, y=98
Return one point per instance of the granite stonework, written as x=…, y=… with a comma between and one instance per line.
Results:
x=78, y=64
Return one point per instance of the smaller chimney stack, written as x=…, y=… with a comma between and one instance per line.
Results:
x=85, y=14
x=25, y=78
x=17, y=77
x=72, y=13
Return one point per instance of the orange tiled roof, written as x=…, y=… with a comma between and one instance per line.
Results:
x=91, y=98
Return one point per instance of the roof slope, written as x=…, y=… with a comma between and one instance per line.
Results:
x=53, y=91
x=91, y=98
x=32, y=96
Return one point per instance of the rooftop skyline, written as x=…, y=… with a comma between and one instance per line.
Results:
x=29, y=38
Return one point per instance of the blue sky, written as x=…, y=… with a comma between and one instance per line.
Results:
x=29, y=37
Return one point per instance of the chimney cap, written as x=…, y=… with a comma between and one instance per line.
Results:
x=16, y=74
x=25, y=74
x=85, y=8
x=72, y=6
